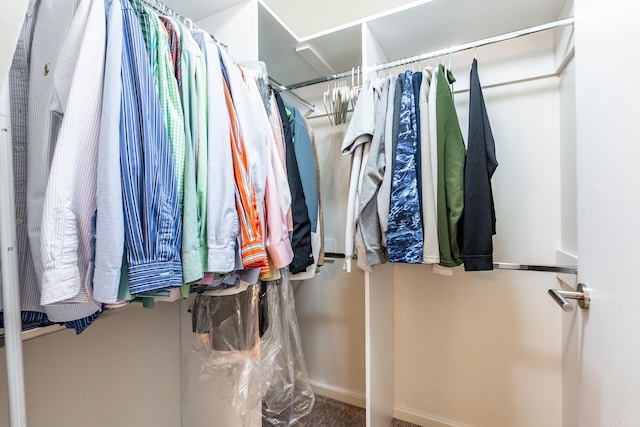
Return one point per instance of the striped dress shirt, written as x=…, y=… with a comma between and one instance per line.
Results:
x=252, y=249
x=255, y=138
x=152, y=212
x=277, y=194
x=61, y=53
x=166, y=86
x=32, y=312
x=68, y=217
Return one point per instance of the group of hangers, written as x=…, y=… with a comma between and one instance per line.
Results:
x=340, y=99
x=416, y=65
x=162, y=9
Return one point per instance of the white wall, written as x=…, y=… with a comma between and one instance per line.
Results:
x=330, y=307
x=237, y=28
x=122, y=371
x=483, y=349
x=475, y=349
x=206, y=403
x=570, y=321
x=11, y=17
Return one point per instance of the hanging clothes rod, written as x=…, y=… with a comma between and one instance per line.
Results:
x=9, y=260
x=567, y=269
x=441, y=52
x=283, y=89
x=330, y=77
x=478, y=43
x=503, y=265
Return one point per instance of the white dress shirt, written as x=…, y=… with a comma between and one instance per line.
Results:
x=67, y=240
x=19, y=86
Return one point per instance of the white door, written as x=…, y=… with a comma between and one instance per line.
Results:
x=607, y=359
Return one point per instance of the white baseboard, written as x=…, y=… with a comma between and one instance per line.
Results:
x=424, y=420
x=359, y=399
x=348, y=396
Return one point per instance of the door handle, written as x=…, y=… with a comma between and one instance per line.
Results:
x=581, y=294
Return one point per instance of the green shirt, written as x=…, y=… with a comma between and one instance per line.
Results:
x=202, y=151
x=191, y=265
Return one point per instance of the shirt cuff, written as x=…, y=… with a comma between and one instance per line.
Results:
x=59, y=284
x=154, y=275
x=106, y=284
x=221, y=259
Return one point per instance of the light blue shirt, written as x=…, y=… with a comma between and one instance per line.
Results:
x=110, y=218
x=223, y=225
x=306, y=164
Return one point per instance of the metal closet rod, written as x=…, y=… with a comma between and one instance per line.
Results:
x=567, y=269
x=281, y=88
x=441, y=52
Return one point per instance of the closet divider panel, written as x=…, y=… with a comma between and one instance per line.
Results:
x=237, y=28
x=379, y=331
x=208, y=403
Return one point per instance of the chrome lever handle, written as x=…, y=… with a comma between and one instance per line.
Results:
x=581, y=294
x=560, y=300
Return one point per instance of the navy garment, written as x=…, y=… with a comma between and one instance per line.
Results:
x=301, y=235
x=405, y=235
x=306, y=163
x=417, y=82
x=397, y=103
x=479, y=216
x=31, y=320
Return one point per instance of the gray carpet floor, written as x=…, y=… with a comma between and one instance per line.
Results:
x=333, y=413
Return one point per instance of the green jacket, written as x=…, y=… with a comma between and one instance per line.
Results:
x=451, y=158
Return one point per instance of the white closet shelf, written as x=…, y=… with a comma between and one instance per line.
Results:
x=52, y=329
x=424, y=28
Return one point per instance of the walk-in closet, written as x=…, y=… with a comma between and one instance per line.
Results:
x=306, y=308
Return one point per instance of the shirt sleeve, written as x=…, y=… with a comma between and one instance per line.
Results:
x=110, y=222
x=222, y=218
x=372, y=179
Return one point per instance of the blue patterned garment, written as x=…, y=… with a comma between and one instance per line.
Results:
x=404, y=237
x=150, y=197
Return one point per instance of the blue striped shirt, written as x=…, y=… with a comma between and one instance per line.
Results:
x=31, y=320
x=150, y=199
